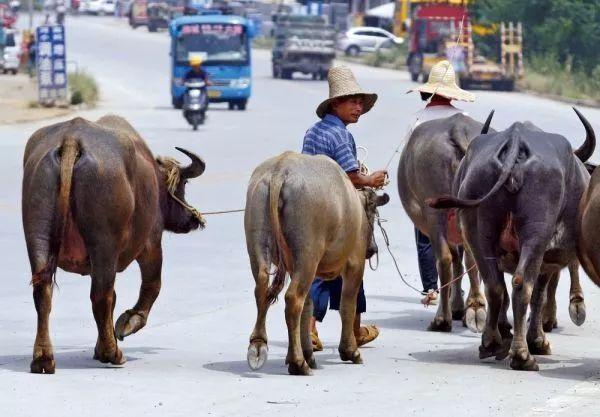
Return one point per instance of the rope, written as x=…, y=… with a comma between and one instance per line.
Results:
x=212, y=213
x=430, y=294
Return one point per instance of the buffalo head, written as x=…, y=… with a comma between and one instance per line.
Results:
x=178, y=215
x=371, y=201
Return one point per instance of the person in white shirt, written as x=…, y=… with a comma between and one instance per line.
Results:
x=439, y=92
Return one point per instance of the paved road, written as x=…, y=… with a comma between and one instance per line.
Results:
x=190, y=358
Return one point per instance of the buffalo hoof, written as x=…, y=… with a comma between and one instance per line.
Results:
x=115, y=358
x=539, y=346
x=43, y=365
x=577, y=311
x=299, y=368
x=354, y=357
x=549, y=325
x=475, y=319
x=438, y=324
x=312, y=362
x=128, y=323
x=257, y=355
x=498, y=350
x=521, y=360
x=505, y=330
x=458, y=315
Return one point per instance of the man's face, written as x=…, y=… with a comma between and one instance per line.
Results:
x=348, y=109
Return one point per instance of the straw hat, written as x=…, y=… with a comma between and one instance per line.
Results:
x=442, y=81
x=343, y=84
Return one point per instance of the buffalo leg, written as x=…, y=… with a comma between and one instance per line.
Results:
x=43, y=355
x=307, y=347
x=442, y=322
x=150, y=262
x=549, y=311
x=103, y=299
x=294, y=304
x=576, y=302
x=475, y=314
x=352, y=279
x=536, y=339
x=456, y=297
x=258, y=349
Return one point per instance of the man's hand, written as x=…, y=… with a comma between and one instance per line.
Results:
x=375, y=180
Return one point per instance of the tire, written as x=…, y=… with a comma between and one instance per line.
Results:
x=151, y=27
x=508, y=85
x=414, y=77
x=323, y=74
x=315, y=76
x=352, y=50
x=425, y=78
x=14, y=72
x=194, y=124
x=242, y=105
x=4, y=71
x=286, y=74
x=275, y=71
x=231, y=105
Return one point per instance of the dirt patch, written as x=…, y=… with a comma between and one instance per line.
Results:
x=17, y=94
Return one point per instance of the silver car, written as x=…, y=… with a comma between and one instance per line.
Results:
x=10, y=60
x=365, y=39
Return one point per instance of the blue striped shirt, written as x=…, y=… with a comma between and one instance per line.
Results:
x=331, y=138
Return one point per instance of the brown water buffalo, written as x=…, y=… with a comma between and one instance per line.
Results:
x=427, y=168
x=94, y=200
x=304, y=216
x=519, y=191
x=589, y=238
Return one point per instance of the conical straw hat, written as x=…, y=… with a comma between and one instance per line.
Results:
x=442, y=81
x=343, y=84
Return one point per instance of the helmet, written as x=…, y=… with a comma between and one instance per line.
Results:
x=195, y=61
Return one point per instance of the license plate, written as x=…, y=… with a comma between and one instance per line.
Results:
x=214, y=93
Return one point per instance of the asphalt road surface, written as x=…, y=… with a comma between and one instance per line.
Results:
x=190, y=358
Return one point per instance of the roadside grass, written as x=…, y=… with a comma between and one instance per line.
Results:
x=84, y=89
x=545, y=75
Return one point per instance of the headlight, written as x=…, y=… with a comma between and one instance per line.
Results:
x=240, y=83
x=194, y=93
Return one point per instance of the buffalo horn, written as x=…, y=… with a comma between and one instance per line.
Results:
x=589, y=144
x=193, y=170
x=488, y=121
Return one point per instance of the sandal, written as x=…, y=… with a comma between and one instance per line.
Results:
x=316, y=342
x=367, y=334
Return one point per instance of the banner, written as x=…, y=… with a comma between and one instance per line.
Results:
x=51, y=64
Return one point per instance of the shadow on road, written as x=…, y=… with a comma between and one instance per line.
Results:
x=74, y=358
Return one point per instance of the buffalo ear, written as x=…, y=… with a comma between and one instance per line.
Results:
x=382, y=200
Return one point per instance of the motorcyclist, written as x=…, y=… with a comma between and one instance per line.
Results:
x=196, y=72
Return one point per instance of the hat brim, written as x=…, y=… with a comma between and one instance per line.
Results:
x=453, y=93
x=369, y=102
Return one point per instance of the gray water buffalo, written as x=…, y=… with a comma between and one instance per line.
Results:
x=427, y=168
x=304, y=216
x=94, y=199
x=519, y=191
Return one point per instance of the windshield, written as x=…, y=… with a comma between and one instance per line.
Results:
x=213, y=42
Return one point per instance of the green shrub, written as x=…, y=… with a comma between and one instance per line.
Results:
x=84, y=88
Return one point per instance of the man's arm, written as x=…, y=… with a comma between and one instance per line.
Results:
x=375, y=180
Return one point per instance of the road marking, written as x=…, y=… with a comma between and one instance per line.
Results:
x=582, y=399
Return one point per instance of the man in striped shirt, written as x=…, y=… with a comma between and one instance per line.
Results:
x=330, y=137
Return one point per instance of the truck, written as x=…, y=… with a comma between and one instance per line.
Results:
x=442, y=29
x=303, y=43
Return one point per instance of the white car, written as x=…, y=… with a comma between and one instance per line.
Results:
x=99, y=7
x=9, y=61
x=366, y=39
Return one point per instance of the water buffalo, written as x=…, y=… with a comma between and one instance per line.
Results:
x=427, y=168
x=94, y=200
x=520, y=191
x=304, y=216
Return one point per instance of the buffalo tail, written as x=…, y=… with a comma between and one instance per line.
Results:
x=282, y=250
x=445, y=202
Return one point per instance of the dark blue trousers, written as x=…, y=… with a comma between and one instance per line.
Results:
x=330, y=292
x=426, y=257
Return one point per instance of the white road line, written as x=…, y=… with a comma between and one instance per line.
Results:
x=582, y=399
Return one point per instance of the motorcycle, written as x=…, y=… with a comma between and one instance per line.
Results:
x=195, y=102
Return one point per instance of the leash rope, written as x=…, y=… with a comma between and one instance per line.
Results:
x=430, y=294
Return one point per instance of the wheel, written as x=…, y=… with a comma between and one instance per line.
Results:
x=151, y=27
x=352, y=50
x=231, y=105
x=425, y=77
x=4, y=71
x=242, y=105
x=323, y=74
x=465, y=84
x=194, y=124
x=177, y=103
x=14, y=72
x=414, y=77
x=315, y=76
x=275, y=71
x=508, y=85
x=286, y=74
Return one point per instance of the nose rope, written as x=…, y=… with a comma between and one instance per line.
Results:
x=172, y=181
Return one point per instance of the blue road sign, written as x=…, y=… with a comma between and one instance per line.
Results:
x=51, y=63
